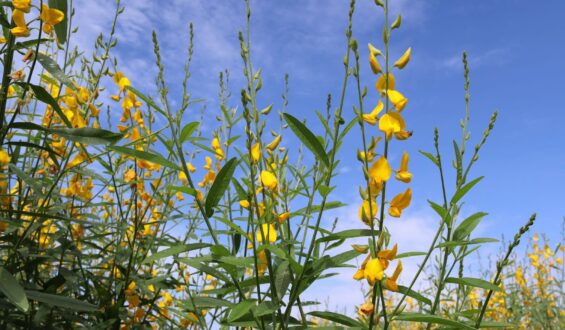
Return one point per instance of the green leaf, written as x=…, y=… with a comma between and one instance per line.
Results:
x=396, y=23
x=61, y=28
x=467, y=226
x=147, y=100
x=465, y=189
x=174, y=250
x=308, y=138
x=475, y=282
x=61, y=301
x=187, y=130
x=88, y=135
x=282, y=278
x=53, y=68
x=241, y=309
x=148, y=156
x=337, y=318
x=480, y=240
x=410, y=254
x=494, y=324
x=207, y=302
x=221, y=183
x=349, y=233
x=183, y=189
x=430, y=157
x=266, y=307
x=411, y=293
x=416, y=317
x=10, y=287
x=42, y=95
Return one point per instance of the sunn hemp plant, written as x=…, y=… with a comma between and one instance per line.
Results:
x=136, y=218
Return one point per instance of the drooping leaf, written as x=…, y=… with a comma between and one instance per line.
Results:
x=337, y=318
x=220, y=185
x=308, y=138
x=10, y=287
x=414, y=294
x=53, y=68
x=417, y=317
x=88, y=135
x=174, y=250
x=430, y=157
x=61, y=301
x=349, y=233
x=475, y=282
x=144, y=155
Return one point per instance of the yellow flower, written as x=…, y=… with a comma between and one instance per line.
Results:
x=368, y=211
x=375, y=66
x=281, y=218
x=373, y=271
x=256, y=152
x=397, y=99
x=391, y=123
x=129, y=175
x=382, y=82
x=371, y=118
x=402, y=174
x=4, y=157
x=367, y=309
x=262, y=262
x=387, y=255
x=216, y=143
x=273, y=145
x=380, y=171
x=360, y=273
x=399, y=203
x=191, y=168
x=20, y=30
x=268, y=231
x=404, y=59
x=390, y=282
x=269, y=180
x=22, y=5
x=50, y=17
x=244, y=203
x=208, y=163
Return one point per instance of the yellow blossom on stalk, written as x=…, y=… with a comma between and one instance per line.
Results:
x=281, y=218
x=216, y=143
x=50, y=17
x=373, y=271
x=404, y=59
x=275, y=143
x=387, y=255
x=368, y=211
x=21, y=29
x=402, y=174
x=4, y=157
x=208, y=178
x=391, y=123
x=208, y=163
x=360, y=273
x=256, y=152
x=399, y=203
x=367, y=308
x=244, y=203
x=2, y=40
x=262, y=262
x=390, y=282
x=397, y=99
x=375, y=66
x=22, y=5
x=372, y=117
x=129, y=175
x=380, y=171
x=382, y=82
x=269, y=180
x=269, y=231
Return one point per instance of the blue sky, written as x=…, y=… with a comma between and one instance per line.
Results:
x=515, y=53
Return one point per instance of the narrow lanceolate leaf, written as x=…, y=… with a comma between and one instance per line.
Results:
x=221, y=183
x=10, y=287
x=42, y=95
x=61, y=301
x=187, y=130
x=60, y=28
x=144, y=155
x=308, y=138
x=350, y=233
x=88, y=135
x=476, y=282
x=467, y=226
x=465, y=189
x=416, y=317
x=430, y=157
x=414, y=294
x=146, y=99
x=174, y=250
x=337, y=318
x=240, y=310
x=53, y=68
